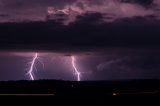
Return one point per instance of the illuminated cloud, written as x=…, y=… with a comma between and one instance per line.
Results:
x=110, y=9
x=67, y=11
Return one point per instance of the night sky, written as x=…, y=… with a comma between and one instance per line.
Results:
x=110, y=39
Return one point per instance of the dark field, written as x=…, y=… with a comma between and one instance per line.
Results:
x=52, y=91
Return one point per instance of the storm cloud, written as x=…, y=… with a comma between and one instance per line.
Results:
x=33, y=10
x=111, y=39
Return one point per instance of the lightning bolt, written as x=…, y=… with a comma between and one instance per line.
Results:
x=75, y=69
x=35, y=58
x=30, y=72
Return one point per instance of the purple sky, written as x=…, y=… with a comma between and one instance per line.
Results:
x=93, y=66
x=76, y=26
x=31, y=10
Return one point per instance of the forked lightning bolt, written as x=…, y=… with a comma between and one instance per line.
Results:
x=35, y=58
x=75, y=69
x=30, y=72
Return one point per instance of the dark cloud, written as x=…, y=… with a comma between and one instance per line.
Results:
x=3, y=15
x=88, y=32
x=141, y=2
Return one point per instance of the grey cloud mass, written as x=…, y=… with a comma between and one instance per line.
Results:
x=32, y=10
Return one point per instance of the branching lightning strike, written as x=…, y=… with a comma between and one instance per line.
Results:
x=30, y=72
x=75, y=69
x=35, y=58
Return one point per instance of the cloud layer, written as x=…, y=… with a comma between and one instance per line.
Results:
x=21, y=10
x=110, y=10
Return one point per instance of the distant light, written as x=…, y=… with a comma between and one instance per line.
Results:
x=72, y=85
x=114, y=94
x=27, y=94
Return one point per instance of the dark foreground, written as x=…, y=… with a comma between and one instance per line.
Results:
x=58, y=92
